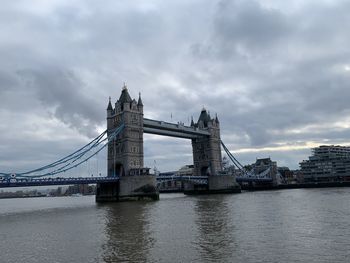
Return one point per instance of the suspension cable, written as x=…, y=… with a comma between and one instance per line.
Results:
x=68, y=157
x=72, y=158
x=67, y=168
x=234, y=160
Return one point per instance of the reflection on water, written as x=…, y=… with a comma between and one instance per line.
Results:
x=306, y=225
x=127, y=232
x=216, y=239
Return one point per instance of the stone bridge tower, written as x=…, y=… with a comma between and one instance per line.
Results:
x=125, y=153
x=207, y=150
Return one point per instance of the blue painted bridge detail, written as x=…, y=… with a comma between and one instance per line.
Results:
x=241, y=179
x=25, y=182
x=55, y=181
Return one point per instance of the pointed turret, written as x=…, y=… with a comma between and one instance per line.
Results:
x=192, y=123
x=124, y=97
x=216, y=118
x=109, y=107
x=204, y=117
x=139, y=103
x=109, y=114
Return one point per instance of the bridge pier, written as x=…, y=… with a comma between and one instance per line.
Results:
x=128, y=188
x=217, y=184
x=223, y=184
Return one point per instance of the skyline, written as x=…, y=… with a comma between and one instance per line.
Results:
x=277, y=74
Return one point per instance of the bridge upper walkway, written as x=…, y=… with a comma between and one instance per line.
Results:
x=170, y=129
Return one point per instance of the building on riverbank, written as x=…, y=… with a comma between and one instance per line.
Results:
x=328, y=163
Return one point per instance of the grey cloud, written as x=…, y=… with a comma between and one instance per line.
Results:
x=264, y=70
x=62, y=92
x=250, y=24
x=7, y=81
x=24, y=154
x=287, y=77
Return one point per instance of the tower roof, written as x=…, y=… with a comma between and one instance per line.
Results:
x=124, y=97
x=192, y=123
x=204, y=117
x=109, y=107
x=139, y=103
x=216, y=118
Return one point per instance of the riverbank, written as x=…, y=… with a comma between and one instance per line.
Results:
x=263, y=187
x=295, y=186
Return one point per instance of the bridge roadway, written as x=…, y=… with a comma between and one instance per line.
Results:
x=93, y=180
x=173, y=130
x=55, y=181
x=196, y=179
x=241, y=179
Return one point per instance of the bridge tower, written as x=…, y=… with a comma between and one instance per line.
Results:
x=207, y=159
x=207, y=150
x=125, y=154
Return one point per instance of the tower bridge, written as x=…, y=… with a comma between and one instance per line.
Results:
x=125, y=152
x=127, y=178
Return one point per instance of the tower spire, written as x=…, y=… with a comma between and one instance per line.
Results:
x=139, y=103
x=109, y=107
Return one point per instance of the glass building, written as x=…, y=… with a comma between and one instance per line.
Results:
x=328, y=163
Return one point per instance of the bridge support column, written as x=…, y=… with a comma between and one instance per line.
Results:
x=142, y=187
x=223, y=184
x=128, y=188
x=107, y=192
x=217, y=184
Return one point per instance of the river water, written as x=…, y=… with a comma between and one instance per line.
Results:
x=298, y=225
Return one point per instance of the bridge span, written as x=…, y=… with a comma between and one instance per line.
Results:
x=173, y=130
x=127, y=178
x=24, y=182
x=31, y=182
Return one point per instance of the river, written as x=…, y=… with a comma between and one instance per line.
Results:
x=297, y=225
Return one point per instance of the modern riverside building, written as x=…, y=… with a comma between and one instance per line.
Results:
x=328, y=163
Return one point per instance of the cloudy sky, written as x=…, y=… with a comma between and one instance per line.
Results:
x=277, y=73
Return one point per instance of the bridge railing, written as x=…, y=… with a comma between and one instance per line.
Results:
x=55, y=181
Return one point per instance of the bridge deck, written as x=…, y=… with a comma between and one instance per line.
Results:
x=171, y=129
x=94, y=180
x=55, y=181
x=240, y=179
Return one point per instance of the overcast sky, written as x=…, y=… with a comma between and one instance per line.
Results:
x=277, y=73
